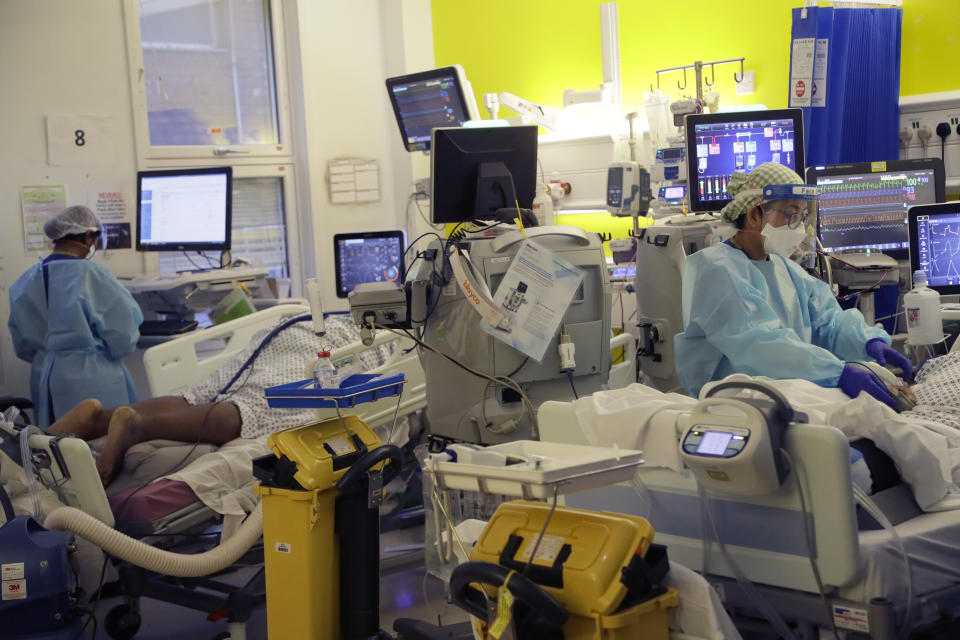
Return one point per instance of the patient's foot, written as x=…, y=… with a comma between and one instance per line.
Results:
x=81, y=421
x=125, y=430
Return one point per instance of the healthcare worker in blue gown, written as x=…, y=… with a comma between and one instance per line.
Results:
x=748, y=308
x=74, y=322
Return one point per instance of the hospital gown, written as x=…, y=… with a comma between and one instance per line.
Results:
x=289, y=357
x=937, y=390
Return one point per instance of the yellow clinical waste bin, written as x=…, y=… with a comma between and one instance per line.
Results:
x=321, y=528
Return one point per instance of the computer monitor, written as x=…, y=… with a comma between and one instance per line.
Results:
x=935, y=244
x=370, y=256
x=475, y=172
x=429, y=99
x=184, y=209
x=720, y=143
x=864, y=205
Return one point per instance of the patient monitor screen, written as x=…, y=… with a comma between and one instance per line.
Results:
x=179, y=210
x=370, y=257
x=862, y=209
x=938, y=248
x=424, y=101
x=720, y=144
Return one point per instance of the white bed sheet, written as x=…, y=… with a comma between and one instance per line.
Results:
x=931, y=541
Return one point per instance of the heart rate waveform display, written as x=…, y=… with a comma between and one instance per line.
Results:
x=869, y=210
x=938, y=247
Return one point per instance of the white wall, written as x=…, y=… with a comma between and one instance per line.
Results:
x=57, y=57
x=69, y=57
x=346, y=49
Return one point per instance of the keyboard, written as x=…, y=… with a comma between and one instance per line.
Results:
x=167, y=327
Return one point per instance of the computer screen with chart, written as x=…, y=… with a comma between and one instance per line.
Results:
x=372, y=256
x=864, y=205
x=935, y=244
x=720, y=143
x=184, y=209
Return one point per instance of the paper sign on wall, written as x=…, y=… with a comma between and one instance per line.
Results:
x=353, y=180
x=109, y=204
x=39, y=204
x=75, y=140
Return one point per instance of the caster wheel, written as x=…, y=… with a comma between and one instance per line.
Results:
x=122, y=622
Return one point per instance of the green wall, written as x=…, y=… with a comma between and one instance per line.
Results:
x=538, y=48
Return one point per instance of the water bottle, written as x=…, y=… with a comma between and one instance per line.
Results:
x=922, y=306
x=325, y=375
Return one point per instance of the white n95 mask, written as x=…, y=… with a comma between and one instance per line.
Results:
x=782, y=241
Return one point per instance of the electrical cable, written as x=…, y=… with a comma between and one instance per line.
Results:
x=519, y=366
x=572, y=386
x=215, y=264
x=858, y=268
x=503, y=381
x=416, y=203
x=96, y=601
x=190, y=260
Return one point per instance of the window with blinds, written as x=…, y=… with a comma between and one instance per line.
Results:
x=258, y=232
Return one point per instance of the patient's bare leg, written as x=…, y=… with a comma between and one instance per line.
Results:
x=209, y=423
x=89, y=420
x=82, y=421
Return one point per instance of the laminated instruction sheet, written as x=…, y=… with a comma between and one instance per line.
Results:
x=533, y=296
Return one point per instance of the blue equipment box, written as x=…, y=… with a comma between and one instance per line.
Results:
x=37, y=580
x=357, y=389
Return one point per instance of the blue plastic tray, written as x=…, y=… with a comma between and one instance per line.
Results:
x=357, y=389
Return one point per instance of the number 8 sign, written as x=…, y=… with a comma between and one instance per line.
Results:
x=80, y=140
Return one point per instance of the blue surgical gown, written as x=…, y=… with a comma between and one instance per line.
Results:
x=763, y=318
x=74, y=324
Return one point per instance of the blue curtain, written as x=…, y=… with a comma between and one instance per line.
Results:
x=860, y=119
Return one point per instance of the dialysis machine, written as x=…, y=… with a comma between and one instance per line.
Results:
x=480, y=388
x=463, y=406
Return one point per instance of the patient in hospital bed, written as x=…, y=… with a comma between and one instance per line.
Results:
x=204, y=413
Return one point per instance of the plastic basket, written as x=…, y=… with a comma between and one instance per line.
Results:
x=357, y=389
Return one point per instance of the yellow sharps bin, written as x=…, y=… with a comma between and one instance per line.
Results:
x=320, y=495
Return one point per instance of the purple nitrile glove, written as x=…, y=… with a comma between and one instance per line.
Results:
x=884, y=353
x=856, y=378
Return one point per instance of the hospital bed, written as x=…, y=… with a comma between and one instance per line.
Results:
x=863, y=571
x=169, y=514
x=176, y=365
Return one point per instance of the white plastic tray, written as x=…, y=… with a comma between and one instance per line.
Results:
x=542, y=467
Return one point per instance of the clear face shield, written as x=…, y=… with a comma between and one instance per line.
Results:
x=794, y=206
